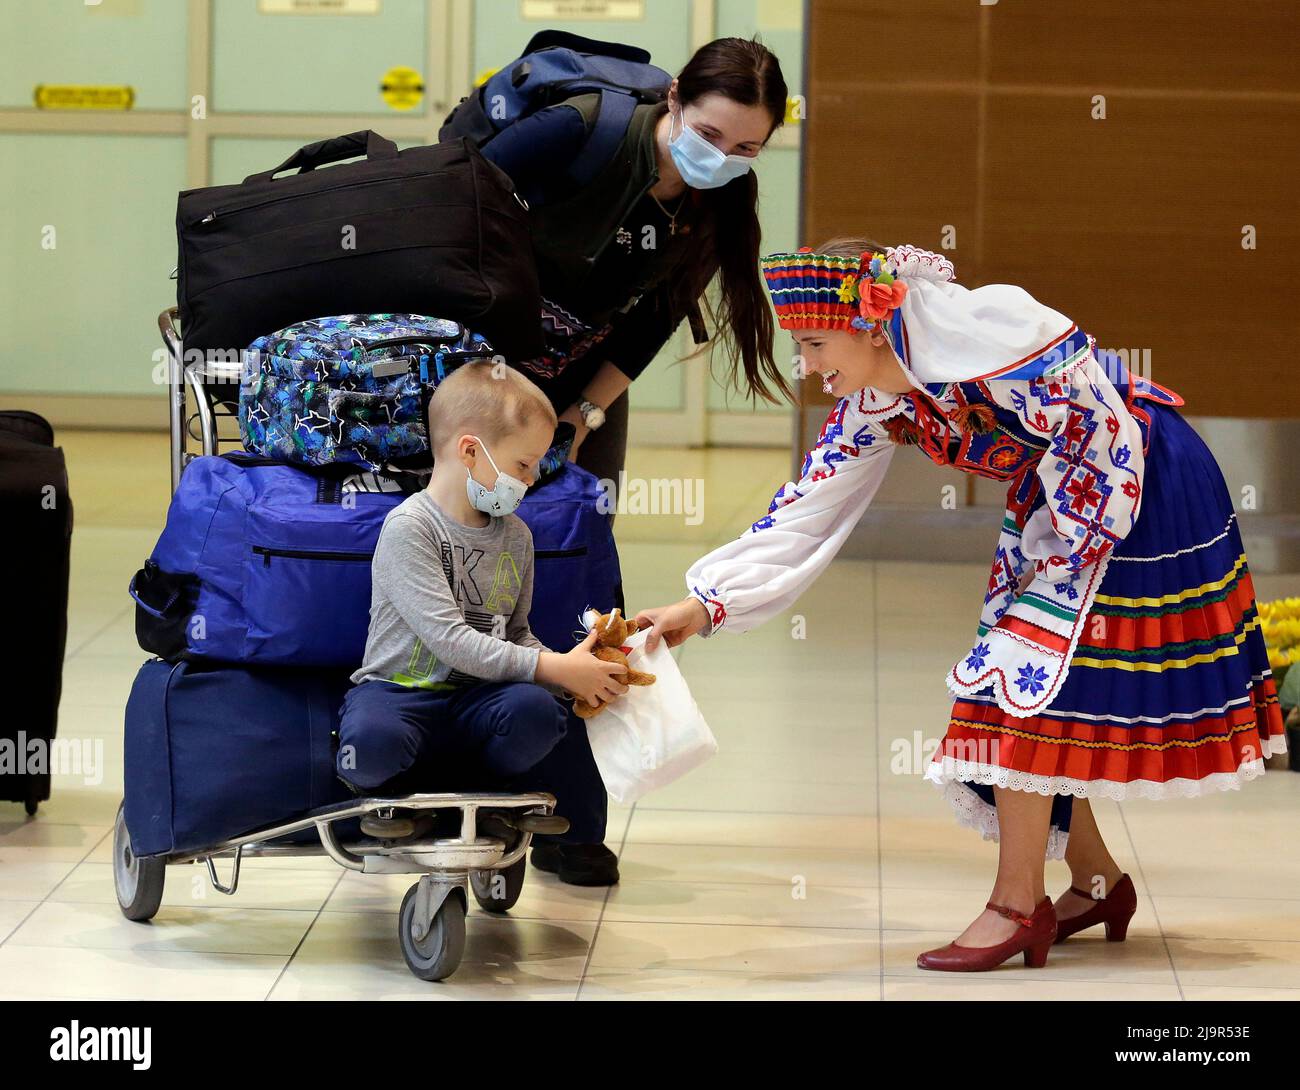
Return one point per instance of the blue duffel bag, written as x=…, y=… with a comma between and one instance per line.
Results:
x=215, y=752
x=575, y=561
x=261, y=563
x=267, y=564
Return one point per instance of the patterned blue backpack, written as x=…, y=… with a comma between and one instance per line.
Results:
x=349, y=388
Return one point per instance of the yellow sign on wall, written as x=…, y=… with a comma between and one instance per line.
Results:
x=552, y=10
x=318, y=7
x=402, y=88
x=55, y=96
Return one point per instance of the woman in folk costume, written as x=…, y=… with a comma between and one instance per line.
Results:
x=1118, y=653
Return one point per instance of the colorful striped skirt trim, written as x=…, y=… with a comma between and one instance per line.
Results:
x=1169, y=692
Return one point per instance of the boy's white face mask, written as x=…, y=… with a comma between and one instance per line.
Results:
x=503, y=498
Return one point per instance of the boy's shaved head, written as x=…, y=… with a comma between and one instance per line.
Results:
x=488, y=400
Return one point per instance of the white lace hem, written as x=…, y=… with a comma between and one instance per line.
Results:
x=950, y=768
x=952, y=776
x=973, y=812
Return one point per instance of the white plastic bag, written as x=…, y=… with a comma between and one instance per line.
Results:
x=652, y=734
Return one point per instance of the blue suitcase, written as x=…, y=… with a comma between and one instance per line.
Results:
x=215, y=752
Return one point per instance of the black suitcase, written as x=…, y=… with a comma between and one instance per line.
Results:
x=36, y=514
x=436, y=229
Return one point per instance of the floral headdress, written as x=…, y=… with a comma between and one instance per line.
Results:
x=823, y=291
x=875, y=289
x=940, y=331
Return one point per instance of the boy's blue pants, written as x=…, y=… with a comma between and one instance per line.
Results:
x=493, y=736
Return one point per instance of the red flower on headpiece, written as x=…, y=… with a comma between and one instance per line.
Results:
x=878, y=300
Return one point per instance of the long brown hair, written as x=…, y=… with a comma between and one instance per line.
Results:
x=849, y=246
x=745, y=71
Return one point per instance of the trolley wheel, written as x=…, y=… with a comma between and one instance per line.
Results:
x=30, y=806
x=438, y=955
x=499, y=890
x=138, y=882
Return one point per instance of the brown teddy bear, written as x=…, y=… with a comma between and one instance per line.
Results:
x=612, y=630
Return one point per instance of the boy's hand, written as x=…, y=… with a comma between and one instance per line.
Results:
x=584, y=675
x=674, y=624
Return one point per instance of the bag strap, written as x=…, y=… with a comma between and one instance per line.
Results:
x=613, y=116
x=244, y=458
x=149, y=571
x=699, y=332
x=365, y=142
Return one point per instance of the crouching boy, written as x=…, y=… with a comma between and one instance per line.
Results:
x=455, y=691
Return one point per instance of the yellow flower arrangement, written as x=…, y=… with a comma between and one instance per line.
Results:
x=1280, y=623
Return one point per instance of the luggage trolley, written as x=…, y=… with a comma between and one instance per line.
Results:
x=431, y=921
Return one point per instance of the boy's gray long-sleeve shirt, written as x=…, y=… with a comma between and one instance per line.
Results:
x=424, y=634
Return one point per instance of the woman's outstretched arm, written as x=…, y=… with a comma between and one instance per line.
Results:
x=763, y=571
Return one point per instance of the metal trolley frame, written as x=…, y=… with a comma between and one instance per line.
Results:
x=431, y=921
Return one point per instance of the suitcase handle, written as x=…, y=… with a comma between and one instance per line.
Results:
x=365, y=142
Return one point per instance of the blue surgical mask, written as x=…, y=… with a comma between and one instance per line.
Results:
x=499, y=500
x=701, y=165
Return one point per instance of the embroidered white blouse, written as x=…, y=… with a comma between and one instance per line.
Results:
x=1088, y=451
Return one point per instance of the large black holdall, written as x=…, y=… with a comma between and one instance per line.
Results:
x=436, y=229
x=36, y=515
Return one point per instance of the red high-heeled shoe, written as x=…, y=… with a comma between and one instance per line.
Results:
x=1114, y=910
x=1034, y=939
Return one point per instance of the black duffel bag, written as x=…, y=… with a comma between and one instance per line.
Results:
x=436, y=229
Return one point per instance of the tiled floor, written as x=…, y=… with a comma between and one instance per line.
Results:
x=808, y=859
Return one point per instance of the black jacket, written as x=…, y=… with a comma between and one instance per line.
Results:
x=573, y=228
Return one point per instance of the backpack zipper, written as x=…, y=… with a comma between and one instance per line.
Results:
x=307, y=554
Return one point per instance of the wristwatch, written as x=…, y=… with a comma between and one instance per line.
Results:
x=592, y=415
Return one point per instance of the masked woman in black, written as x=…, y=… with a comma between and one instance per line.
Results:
x=624, y=259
